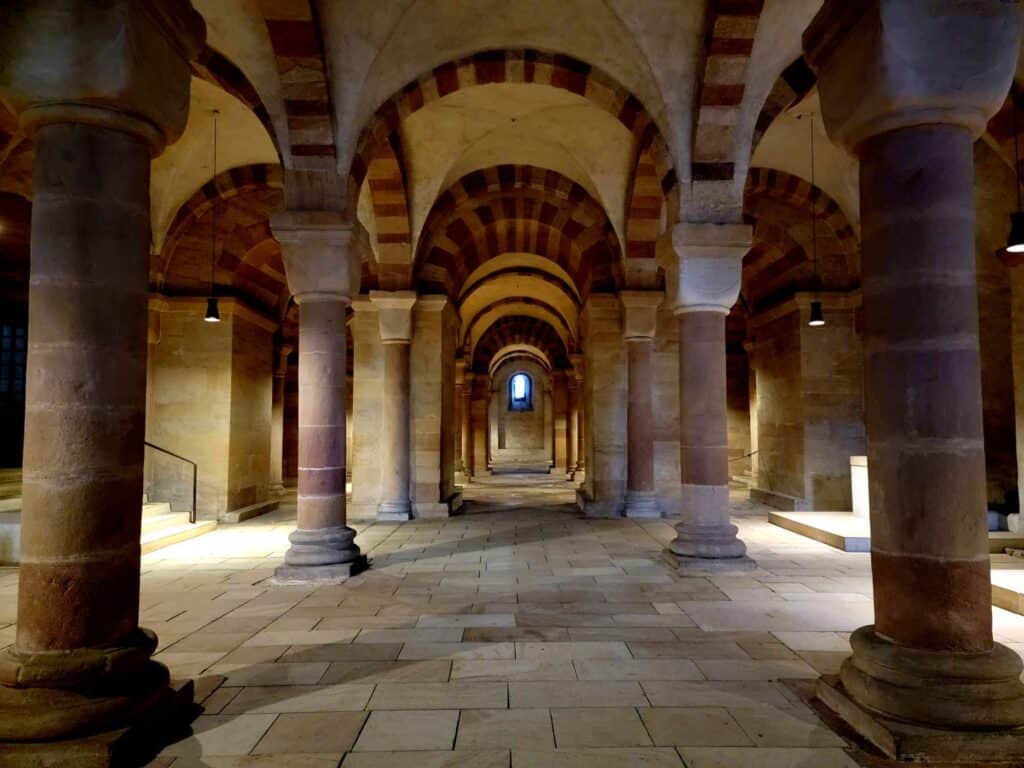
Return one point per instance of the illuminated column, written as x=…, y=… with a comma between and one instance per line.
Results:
x=581, y=446
x=572, y=426
x=929, y=658
x=640, y=313
x=277, y=421
x=710, y=261
x=323, y=273
x=461, y=472
x=102, y=89
x=466, y=404
x=395, y=317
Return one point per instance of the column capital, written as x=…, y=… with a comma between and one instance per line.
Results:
x=710, y=265
x=122, y=65
x=320, y=259
x=394, y=313
x=888, y=64
x=640, y=314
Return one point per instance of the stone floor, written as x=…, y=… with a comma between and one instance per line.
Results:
x=516, y=634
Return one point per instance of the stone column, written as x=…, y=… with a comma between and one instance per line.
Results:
x=710, y=263
x=81, y=663
x=394, y=313
x=640, y=310
x=578, y=366
x=323, y=273
x=572, y=425
x=466, y=425
x=277, y=422
x=929, y=658
x=460, y=425
x=549, y=422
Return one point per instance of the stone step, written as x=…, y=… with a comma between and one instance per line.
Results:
x=165, y=537
x=155, y=509
x=154, y=523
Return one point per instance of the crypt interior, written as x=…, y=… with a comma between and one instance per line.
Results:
x=511, y=383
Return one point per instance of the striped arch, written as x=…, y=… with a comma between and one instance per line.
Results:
x=518, y=352
x=295, y=37
x=779, y=206
x=795, y=82
x=522, y=209
x=645, y=210
x=731, y=26
x=518, y=330
x=1000, y=127
x=213, y=67
x=386, y=184
x=526, y=66
x=248, y=260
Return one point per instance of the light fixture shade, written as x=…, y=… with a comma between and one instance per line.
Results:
x=212, y=312
x=1015, y=242
x=817, y=316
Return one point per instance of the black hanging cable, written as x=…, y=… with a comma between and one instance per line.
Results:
x=212, y=310
x=817, y=316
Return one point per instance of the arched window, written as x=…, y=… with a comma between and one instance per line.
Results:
x=520, y=393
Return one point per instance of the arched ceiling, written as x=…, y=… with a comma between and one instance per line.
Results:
x=188, y=164
x=519, y=331
x=779, y=206
x=374, y=49
x=517, y=209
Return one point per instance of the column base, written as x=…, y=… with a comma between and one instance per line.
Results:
x=339, y=573
x=915, y=743
x=934, y=689
x=136, y=744
x=44, y=717
x=312, y=548
x=710, y=542
x=642, y=504
x=394, y=511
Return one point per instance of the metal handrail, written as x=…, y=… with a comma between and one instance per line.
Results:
x=195, y=474
x=744, y=456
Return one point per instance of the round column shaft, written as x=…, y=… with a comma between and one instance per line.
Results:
x=640, y=321
x=929, y=658
x=465, y=426
x=705, y=530
x=395, y=503
x=277, y=422
x=572, y=421
x=81, y=663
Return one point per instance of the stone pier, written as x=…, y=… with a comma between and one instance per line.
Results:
x=323, y=274
x=929, y=659
x=80, y=665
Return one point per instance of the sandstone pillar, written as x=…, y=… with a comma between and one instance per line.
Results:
x=578, y=366
x=640, y=320
x=277, y=422
x=466, y=425
x=929, y=659
x=572, y=425
x=710, y=262
x=461, y=476
x=323, y=274
x=81, y=663
x=395, y=317
x=480, y=415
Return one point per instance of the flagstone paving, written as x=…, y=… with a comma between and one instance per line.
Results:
x=517, y=634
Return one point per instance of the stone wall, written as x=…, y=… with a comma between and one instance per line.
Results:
x=810, y=410
x=738, y=411
x=209, y=400
x=665, y=396
x=604, y=401
x=520, y=438
x=994, y=183
x=366, y=449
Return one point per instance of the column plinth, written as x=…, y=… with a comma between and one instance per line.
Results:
x=929, y=659
x=323, y=274
x=710, y=259
x=81, y=665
